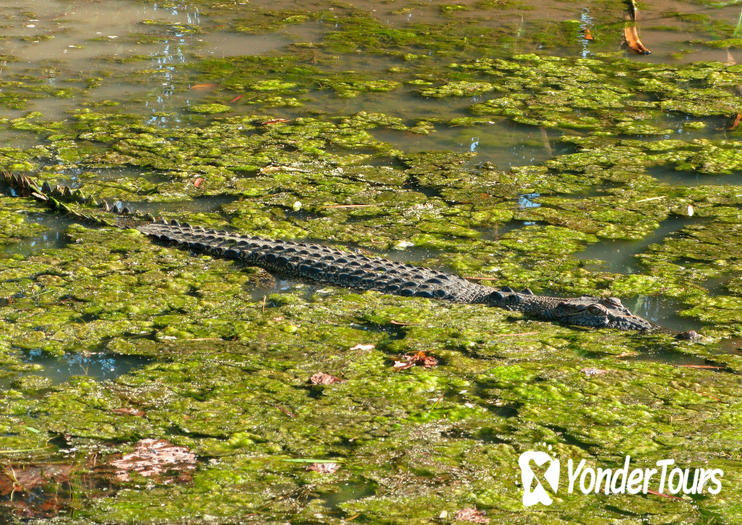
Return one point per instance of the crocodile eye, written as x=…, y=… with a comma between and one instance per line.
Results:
x=613, y=301
x=596, y=309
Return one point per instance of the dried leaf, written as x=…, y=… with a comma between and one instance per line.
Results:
x=275, y=121
x=25, y=478
x=735, y=123
x=420, y=358
x=472, y=515
x=588, y=35
x=363, y=347
x=320, y=378
x=198, y=182
x=403, y=365
x=324, y=468
x=129, y=411
x=153, y=457
x=590, y=372
x=203, y=87
x=630, y=33
x=632, y=40
x=235, y=99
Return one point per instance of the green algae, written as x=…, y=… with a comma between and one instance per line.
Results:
x=209, y=108
x=458, y=89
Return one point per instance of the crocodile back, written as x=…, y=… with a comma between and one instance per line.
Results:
x=320, y=263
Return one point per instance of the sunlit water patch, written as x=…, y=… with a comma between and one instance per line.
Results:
x=103, y=366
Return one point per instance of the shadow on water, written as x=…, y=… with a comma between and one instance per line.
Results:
x=731, y=346
x=495, y=232
x=501, y=143
x=662, y=311
x=53, y=238
x=103, y=366
x=618, y=256
x=669, y=357
x=205, y=204
x=348, y=491
x=693, y=178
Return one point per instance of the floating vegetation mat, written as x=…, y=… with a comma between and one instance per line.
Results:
x=512, y=146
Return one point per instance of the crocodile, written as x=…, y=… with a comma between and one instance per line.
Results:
x=326, y=265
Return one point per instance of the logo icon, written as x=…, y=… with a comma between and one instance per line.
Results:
x=537, y=494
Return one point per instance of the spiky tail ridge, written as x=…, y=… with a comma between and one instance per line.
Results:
x=58, y=198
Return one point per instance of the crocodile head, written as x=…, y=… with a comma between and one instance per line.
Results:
x=596, y=312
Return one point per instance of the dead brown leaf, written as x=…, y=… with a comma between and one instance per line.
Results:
x=590, y=372
x=154, y=457
x=632, y=40
x=128, y=411
x=27, y=477
x=320, y=378
x=630, y=33
x=420, y=359
x=203, y=87
x=735, y=123
x=472, y=515
x=324, y=468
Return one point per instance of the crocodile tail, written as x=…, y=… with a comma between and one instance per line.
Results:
x=22, y=185
x=56, y=198
x=26, y=186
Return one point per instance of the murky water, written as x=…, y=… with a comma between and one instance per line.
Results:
x=52, y=238
x=663, y=311
x=619, y=256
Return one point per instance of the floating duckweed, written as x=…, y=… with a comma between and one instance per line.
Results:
x=209, y=108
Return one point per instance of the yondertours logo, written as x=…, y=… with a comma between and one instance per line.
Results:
x=533, y=491
x=622, y=480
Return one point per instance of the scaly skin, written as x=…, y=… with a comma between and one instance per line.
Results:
x=326, y=265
